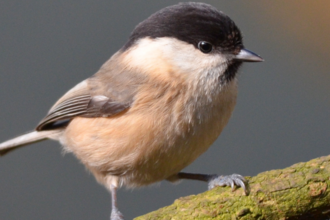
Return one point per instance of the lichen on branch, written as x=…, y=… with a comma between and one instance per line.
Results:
x=297, y=192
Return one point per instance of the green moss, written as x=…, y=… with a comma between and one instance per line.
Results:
x=301, y=189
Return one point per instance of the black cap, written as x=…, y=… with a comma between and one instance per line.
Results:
x=192, y=23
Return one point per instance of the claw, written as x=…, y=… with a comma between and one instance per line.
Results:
x=240, y=182
x=230, y=180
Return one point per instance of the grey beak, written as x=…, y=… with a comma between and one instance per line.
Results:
x=248, y=56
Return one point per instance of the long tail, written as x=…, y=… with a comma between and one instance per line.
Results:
x=25, y=139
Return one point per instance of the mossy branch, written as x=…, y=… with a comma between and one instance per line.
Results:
x=297, y=192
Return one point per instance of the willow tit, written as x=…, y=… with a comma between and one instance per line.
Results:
x=155, y=105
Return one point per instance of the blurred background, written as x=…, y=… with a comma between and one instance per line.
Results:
x=46, y=47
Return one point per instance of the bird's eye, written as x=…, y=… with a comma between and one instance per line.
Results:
x=205, y=47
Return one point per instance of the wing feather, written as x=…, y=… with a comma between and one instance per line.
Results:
x=108, y=92
x=83, y=106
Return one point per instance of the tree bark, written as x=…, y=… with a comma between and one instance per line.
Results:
x=297, y=192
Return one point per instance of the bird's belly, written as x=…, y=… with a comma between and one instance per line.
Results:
x=144, y=149
x=170, y=157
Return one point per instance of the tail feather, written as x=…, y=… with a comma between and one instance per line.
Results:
x=25, y=139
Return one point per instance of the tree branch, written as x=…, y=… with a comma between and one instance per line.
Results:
x=297, y=192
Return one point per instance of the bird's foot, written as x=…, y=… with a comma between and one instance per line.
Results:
x=230, y=180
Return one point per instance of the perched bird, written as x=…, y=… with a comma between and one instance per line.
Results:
x=155, y=105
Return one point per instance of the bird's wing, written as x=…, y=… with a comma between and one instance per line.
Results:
x=108, y=92
x=84, y=106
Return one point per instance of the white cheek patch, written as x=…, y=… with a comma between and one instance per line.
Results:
x=147, y=55
x=189, y=60
x=165, y=54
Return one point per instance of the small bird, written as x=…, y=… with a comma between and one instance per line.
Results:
x=155, y=105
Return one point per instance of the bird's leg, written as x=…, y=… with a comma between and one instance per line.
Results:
x=215, y=180
x=115, y=213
